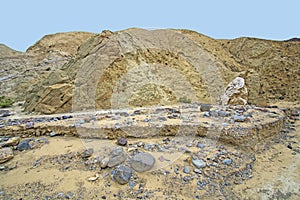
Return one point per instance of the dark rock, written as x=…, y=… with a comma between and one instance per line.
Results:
x=29, y=125
x=142, y=162
x=122, y=141
x=122, y=174
x=205, y=107
x=162, y=119
x=289, y=146
x=87, y=153
x=124, y=114
x=25, y=144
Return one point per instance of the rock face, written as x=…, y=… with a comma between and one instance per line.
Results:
x=20, y=71
x=134, y=67
x=235, y=93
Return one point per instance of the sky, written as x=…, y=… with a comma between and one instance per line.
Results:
x=24, y=22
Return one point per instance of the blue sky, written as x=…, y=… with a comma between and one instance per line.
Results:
x=25, y=22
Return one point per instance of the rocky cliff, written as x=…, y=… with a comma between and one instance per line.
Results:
x=136, y=67
x=19, y=71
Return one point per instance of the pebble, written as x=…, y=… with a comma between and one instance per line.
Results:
x=227, y=161
x=124, y=114
x=200, y=145
x=239, y=118
x=104, y=162
x=186, y=169
x=205, y=107
x=121, y=141
x=131, y=184
x=6, y=154
x=142, y=162
x=87, y=153
x=199, y=163
x=52, y=134
x=122, y=174
x=148, y=146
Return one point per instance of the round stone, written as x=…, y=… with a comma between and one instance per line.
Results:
x=142, y=162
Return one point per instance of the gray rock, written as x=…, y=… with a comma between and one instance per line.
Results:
x=122, y=174
x=104, y=162
x=148, y=146
x=186, y=169
x=142, y=162
x=25, y=144
x=117, y=156
x=122, y=141
x=87, y=153
x=200, y=145
x=199, y=163
x=6, y=154
x=205, y=107
x=239, y=118
x=227, y=161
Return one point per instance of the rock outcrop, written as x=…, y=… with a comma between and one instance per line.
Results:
x=82, y=71
x=21, y=70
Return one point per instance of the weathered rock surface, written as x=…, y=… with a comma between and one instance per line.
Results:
x=117, y=156
x=21, y=70
x=142, y=162
x=107, y=68
x=122, y=174
x=235, y=93
x=6, y=154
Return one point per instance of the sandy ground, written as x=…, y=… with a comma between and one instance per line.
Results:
x=47, y=172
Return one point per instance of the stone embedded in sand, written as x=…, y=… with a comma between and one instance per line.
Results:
x=6, y=154
x=199, y=163
x=122, y=174
x=25, y=144
x=205, y=107
x=117, y=156
x=121, y=141
x=104, y=162
x=235, y=93
x=142, y=162
x=87, y=153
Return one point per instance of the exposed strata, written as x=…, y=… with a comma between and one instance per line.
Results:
x=245, y=126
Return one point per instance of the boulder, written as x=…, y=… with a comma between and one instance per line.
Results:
x=236, y=93
x=142, y=162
